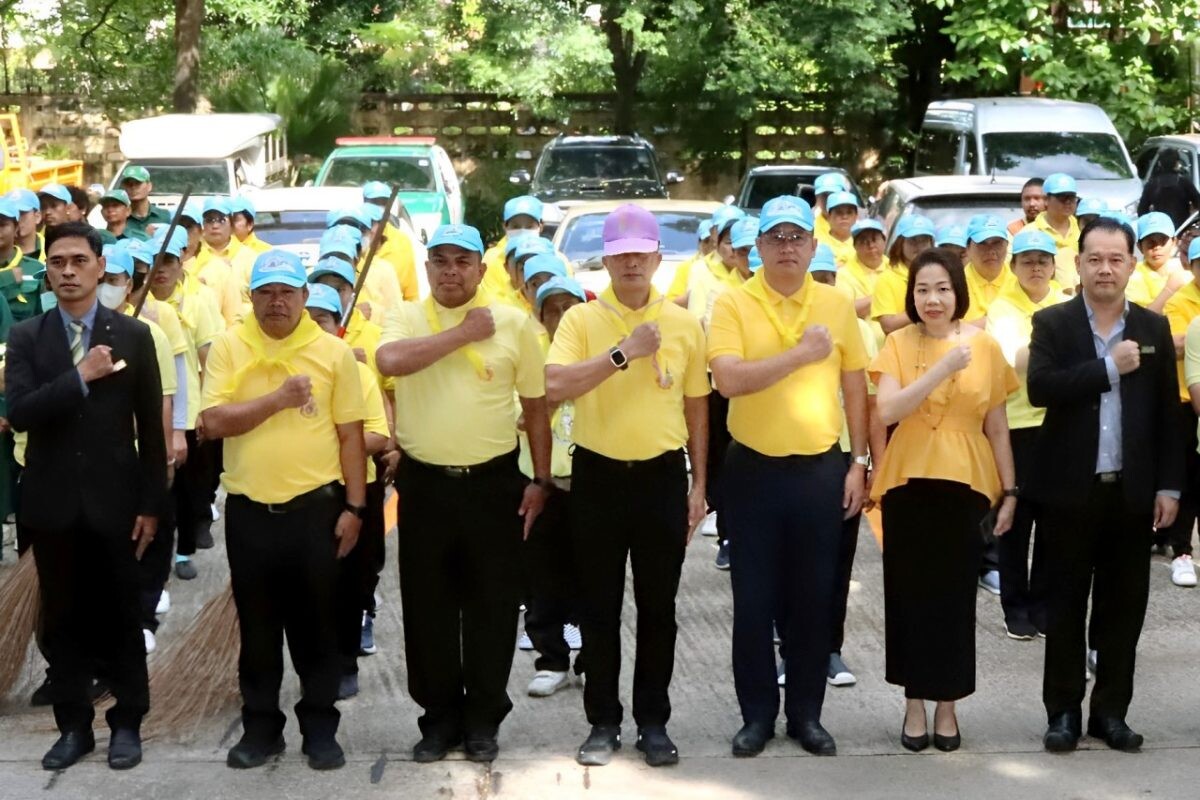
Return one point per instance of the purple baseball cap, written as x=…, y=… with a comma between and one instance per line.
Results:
x=630, y=229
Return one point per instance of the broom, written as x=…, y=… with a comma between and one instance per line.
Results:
x=194, y=679
x=20, y=605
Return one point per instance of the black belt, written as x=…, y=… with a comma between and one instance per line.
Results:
x=330, y=491
x=669, y=457
x=784, y=460
x=1108, y=477
x=474, y=470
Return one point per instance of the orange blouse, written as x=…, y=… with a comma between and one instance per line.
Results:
x=944, y=439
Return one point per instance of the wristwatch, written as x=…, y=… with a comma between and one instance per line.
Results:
x=544, y=484
x=618, y=358
x=1011, y=492
x=863, y=461
x=358, y=511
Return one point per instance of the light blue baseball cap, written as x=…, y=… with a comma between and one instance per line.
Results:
x=140, y=250
x=823, y=260
x=1060, y=183
x=868, y=224
x=372, y=212
x=1194, y=250
x=192, y=211
x=57, y=191
x=755, y=259
x=915, y=225
x=217, y=204
x=277, y=266
x=241, y=205
x=558, y=285
x=175, y=246
x=26, y=200
x=744, y=232
x=840, y=198
x=725, y=216
x=334, y=242
x=830, y=182
x=348, y=232
x=8, y=208
x=348, y=216
x=533, y=246
x=1030, y=239
x=1155, y=222
x=332, y=266
x=704, y=229
x=376, y=190
x=951, y=234
x=513, y=239
x=981, y=228
x=526, y=204
x=324, y=298
x=544, y=263
x=785, y=208
x=1090, y=205
x=117, y=260
x=464, y=236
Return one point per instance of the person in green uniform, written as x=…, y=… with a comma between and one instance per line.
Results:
x=17, y=284
x=11, y=260
x=115, y=208
x=135, y=181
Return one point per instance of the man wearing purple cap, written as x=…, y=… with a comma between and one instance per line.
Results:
x=633, y=364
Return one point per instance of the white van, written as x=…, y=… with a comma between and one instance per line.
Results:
x=1028, y=137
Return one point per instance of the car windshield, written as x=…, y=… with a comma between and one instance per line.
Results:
x=412, y=173
x=597, y=163
x=958, y=209
x=290, y=227
x=1083, y=156
x=582, y=239
x=765, y=187
x=201, y=179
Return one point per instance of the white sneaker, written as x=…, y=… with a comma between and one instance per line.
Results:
x=1183, y=571
x=216, y=515
x=547, y=682
x=524, y=643
x=709, y=526
x=151, y=642
x=164, y=603
x=573, y=636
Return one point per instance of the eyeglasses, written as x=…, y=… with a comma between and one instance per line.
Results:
x=214, y=219
x=780, y=239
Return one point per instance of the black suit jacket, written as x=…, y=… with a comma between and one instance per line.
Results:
x=99, y=459
x=1066, y=378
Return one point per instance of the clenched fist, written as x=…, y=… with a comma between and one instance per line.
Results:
x=956, y=359
x=1127, y=356
x=815, y=345
x=644, y=341
x=296, y=391
x=96, y=364
x=478, y=325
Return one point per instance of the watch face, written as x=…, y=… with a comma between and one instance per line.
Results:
x=618, y=358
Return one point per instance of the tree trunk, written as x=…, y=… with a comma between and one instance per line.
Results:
x=627, y=66
x=188, y=16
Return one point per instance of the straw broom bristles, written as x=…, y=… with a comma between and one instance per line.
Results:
x=195, y=677
x=20, y=605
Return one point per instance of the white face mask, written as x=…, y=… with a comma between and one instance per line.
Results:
x=49, y=301
x=111, y=296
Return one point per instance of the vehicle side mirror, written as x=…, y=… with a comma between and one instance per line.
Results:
x=520, y=177
x=674, y=177
x=728, y=200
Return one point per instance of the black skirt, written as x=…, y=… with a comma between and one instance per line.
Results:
x=932, y=550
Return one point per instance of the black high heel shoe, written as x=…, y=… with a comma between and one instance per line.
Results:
x=948, y=744
x=914, y=743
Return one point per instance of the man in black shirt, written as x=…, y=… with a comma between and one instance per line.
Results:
x=1169, y=191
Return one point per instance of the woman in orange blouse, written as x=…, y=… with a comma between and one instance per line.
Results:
x=943, y=384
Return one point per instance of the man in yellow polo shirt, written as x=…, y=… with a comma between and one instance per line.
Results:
x=633, y=362
x=1059, y=223
x=223, y=264
x=858, y=276
x=786, y=350
x=825, y=185
x=522, y=213
x=287, y=399
x=241, y=221
x=459, y=358
x=987, y=269
x=841, y=211
x=1158, y=275
x=695, y=280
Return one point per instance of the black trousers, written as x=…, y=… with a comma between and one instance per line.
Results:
x=357, y=579
x=1179, y=535
x=550, y=578
x=1099, y=549
x=1022, y=586
x=460, y=586
x=284, y=571
x=637, y=512
x=786, y=517
x=847, y=549
x=193, y=492
x=718, y=444
x=155, y=568
x=91, y=615
x=931, y=551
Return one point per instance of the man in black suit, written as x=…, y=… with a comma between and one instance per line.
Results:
x=1109, y=469
x=83, y=381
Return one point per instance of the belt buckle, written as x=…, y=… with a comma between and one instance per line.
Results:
x=276, y=508
x=1109, y=477
x=457, y=472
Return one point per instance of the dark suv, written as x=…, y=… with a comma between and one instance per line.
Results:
x=575, y=169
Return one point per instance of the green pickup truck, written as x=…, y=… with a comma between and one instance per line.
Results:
x=429, y=187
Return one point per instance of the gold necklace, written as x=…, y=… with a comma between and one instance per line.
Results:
x=922, y=366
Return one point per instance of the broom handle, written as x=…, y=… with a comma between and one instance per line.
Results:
x=187, y=193
x=362, y=275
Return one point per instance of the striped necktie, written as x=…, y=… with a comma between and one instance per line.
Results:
x=76, y=342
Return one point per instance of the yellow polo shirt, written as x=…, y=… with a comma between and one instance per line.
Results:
x=163, y=315
x=983, y=292
x=1181, y=309
x=495, y=277
x=630, y=416
x=1010, y=323
x=374, y=417
x=202, y=323
x=447, y=414
x=890, y=289
x=1065, y=272
x=820, y=225
x=682, y=277
x=164, y=357
x=255, y=244
x=361, y=332
x=1146, y=284
x=857, y=280
x=227, y=273
x=295, y=450
x=397, y=250
x=801, y=414
x=843, y=250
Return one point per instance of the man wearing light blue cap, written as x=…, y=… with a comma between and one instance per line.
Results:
x=528, y=246
x=396, y=247
x=785, y=348
x=1158, y=275
x=537, y=270
x=826, y=184
x=522, y=213
x=459, y=357
x=1023, y=589
x=987, y=269
x=858, y=277
x=17, y=285
x=697, y=279
x=29, y=207
x=381, y=290
x=914, y=235
x=954, y=239
x=840, y=212
x=1088, y=209
x=287, y=401
x=1058, y=220
x=222, y=264
x=56, y=203
x=241, y=220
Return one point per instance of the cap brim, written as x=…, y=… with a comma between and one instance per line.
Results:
x=620, y=246
x=799, y=222
x=1034, y=249
x=474, y=248
x=286, y=280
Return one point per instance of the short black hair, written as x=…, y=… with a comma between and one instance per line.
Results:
x=941, y=257
x=1110, y=224
x=1033, y=183
x=79, y=197
x=77, y=230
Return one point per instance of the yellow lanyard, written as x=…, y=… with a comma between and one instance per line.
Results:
x=481, y=300
x=306, y=333
x=790, y=336
x=653, y=309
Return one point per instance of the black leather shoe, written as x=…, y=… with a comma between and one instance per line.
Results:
x=658, y=748
x=185, y=570
x=41, y=695
x=204, y=537
x=813, y=738
x=1062, y=734
x=481, y=747
x=597, y=750
x=69, y=748
x=752, y=739
x=124, y=749
x=248, y=754
x=947, y=744
x=914, y=743
x=324, y=754
x=1115, y=733
x=348, y=687
x=433, y=747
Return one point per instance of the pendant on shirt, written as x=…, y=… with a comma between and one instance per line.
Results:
x=666, y=380
x=309, y=409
